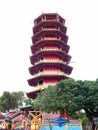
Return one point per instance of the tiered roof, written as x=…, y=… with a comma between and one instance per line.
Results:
x=49, y=31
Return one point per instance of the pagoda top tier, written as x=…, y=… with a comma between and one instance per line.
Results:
x=49, y=17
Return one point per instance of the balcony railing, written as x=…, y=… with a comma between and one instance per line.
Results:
x=49, y=20
x=49, y=73
x=49, y=49
x=51, y=61
x=44, y=29
x=38, y=87
x=48, y=29
x=43, y=86
x=48, y=38
x=48, y=60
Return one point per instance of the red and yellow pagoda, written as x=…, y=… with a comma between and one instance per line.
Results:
x=50, y=59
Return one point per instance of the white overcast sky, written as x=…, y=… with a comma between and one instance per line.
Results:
x=16, y=22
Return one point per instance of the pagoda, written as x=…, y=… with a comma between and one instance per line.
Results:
x=50, y=59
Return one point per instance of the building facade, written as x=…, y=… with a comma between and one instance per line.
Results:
x=50, y=59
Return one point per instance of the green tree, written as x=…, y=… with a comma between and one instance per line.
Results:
x=5, y=101
x=18, y=98
x=11, y=100
x=28, y=101
x=71, y=96
x=87, y=98
x=58, y=97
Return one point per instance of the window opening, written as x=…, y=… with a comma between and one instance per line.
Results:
x=40, y=82
x=41, y=70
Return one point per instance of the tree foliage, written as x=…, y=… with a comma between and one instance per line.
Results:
x=87, y=98
x=72, y=96
x=28, y=101
x=11, y=100
x=58, y=97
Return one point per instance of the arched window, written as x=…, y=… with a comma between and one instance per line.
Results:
x=42, y=58
x=40, y=82
x=41, y=70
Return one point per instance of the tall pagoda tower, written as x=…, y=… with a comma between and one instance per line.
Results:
x=50, y=59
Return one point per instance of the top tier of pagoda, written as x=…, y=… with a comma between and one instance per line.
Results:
x=49, y=49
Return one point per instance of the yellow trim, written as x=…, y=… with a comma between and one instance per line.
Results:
x=66, y=126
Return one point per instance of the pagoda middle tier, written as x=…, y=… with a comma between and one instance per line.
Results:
x=50, y=59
